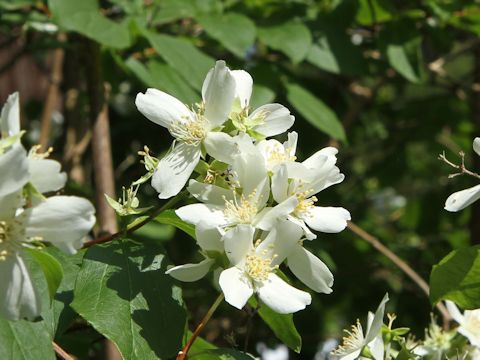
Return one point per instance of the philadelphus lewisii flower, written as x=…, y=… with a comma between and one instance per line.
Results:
x=356, y=340
x=469, y=323
x=461, y=199
x=28, y=218
x=255, y=201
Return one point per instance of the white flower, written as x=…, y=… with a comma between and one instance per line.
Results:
x=304, y=180
x=62, y=221
x=356, y=340
x=267, y=120
x=190, y=129
x=469, y=323
x=244, y=203
x=254, y=267
x=461, y=199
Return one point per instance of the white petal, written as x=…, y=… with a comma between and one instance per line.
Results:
x=221, y=146
x=324, y=157
x=190, y=272
x=476, y=145
x=235, y=286
x=45, y=174
x=377, y=348
x=243, y=86
x=209, y=239
x=375, y=326
x=63, y=221
x=10, y=117
x=238, y=242
x=279, y=242
x=218, y=93
x=461, y=199
x=334, y=177
x=310, y=270
x=174, y=169
x=279, y=212
x=327, y=219
x=291, y=143
x=354, y=355
x=161, y=108
x=282, y=297
x=209, y=193
x=9, y=205
x=454, y=312
x=250, y=171
x=280, y=184
x=18, y=296
x=300, y=223
x=208, y=215
x=13, y=170
x=277, y=119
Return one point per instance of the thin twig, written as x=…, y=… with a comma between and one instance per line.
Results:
x=422, y=284
x=182, y=354
x=152, y=216
x=461, y=167
x=61, y=353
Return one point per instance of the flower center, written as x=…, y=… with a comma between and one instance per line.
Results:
x=243, y=211
x=279, y=156
x=190, y=132
x=305, y=203
x=7, y=246
x=352, y=341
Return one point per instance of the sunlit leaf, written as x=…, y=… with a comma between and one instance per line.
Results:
x=457, y=277
x=292, y=38
x=122, y=290
x=315, y=111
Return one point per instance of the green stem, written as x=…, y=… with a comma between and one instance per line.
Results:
x=169, y=204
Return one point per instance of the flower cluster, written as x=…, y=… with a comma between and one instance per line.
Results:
x=382, y=341
x=28, y=218
x=256, y=202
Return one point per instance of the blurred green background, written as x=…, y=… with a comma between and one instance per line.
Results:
x=392, y=84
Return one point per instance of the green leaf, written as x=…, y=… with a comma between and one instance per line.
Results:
x=51, y=268
x=191, y=63
x=402, y=45
x=315, y=111
x=292, y=38
x=122, y=290
x=24, y=340
x=234, y=31
x=62, y=313
x=281, y=324
x=221, y=354
x=162, y=76
x=335, y=53
x=457, y=277
x=84, y=17
x=170, y=218
x=377, y=11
